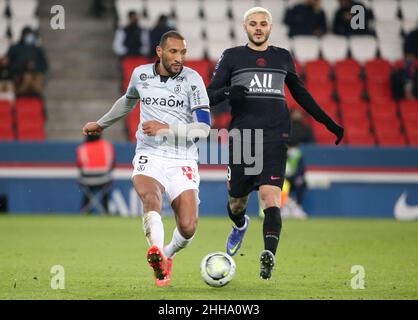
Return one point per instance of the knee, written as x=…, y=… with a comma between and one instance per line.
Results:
x=151, y=200
x=271, y=199
x=237, y=205
x=187, y=227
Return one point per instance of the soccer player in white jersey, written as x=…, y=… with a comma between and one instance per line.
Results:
x=174, y=112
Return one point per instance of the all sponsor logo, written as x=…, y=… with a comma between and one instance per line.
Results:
x=263, y=83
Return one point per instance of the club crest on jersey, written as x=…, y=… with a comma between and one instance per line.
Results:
x=261, y=62
x=177, y=89
x=188, y=172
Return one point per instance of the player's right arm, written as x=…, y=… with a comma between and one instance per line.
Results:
x=220, y=87
x=120, y=108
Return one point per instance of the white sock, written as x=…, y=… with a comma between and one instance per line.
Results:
x=153, y=228
x=177, y=243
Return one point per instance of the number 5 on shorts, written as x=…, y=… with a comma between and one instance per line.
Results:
x=142, y=159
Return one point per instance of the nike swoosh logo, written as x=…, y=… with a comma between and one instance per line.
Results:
x=404, y=211
x=234, y=248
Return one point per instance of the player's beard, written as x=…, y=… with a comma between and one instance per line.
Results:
x=260, y=42
x=169, y=67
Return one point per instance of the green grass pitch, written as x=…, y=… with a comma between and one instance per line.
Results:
x=104, y=258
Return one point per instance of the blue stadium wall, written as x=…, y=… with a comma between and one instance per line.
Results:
x=343, y=181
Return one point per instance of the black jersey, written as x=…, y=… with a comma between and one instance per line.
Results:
x=265, y=74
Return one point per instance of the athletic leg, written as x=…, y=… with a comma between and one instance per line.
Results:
x=150, y=191
x=236, y=210
x=185, y=208
x=272, y=225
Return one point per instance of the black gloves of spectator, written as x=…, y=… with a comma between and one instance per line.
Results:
x=235, y=93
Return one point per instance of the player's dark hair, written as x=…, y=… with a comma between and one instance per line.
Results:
x=170, y=34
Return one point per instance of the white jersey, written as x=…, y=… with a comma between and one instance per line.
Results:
x=170, y=102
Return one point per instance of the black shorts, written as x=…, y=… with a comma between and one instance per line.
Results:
x=242, y=182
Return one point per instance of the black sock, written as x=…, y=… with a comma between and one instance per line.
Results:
x=271, y=228
x=238, y=218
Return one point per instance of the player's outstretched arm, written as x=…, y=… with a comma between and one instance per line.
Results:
x=305, y=100
x=121, y=107
x=199, y=128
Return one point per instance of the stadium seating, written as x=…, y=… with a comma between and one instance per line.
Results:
x=334, y=48
x=322, y=135
x=305, y=48
x=385, y=10
x=409, y=10
x=347, y=71
x=238, y=8
x=6, y=123
x=30, y=119
x=124, y=6
x=128, y=66
x=215, y=11
x=354, y=111
x=317, y=71
x=363, y=48
x=155, y=8
x=348, y=77
x=202, y=67
x=391, y=49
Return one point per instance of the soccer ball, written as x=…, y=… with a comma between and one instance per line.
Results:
x=217, y=269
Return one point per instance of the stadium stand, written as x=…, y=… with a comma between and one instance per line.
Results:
x=349, y=77
x=22, y=118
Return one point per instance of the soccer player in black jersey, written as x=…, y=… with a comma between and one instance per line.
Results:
x=252, y=78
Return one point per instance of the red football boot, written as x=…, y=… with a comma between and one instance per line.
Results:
x=158, y=263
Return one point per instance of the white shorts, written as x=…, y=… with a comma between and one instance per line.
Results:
x=175, y=175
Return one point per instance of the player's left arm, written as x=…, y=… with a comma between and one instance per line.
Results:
x=199, y=105
x=307, y=102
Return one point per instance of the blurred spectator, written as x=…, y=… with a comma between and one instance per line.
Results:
x=160, y=28
x=342, y=20
x=6, y=80
x=306, y=19
x=295, y=172
x=404, y=81
x=28, y=64
x=300, y=132
x=96, y=161
x=411, y=43
x=131, y=40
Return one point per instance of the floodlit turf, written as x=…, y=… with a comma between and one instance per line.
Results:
x=104, y=258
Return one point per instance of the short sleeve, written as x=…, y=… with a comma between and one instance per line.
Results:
x=132, y=91
x=198, y=97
